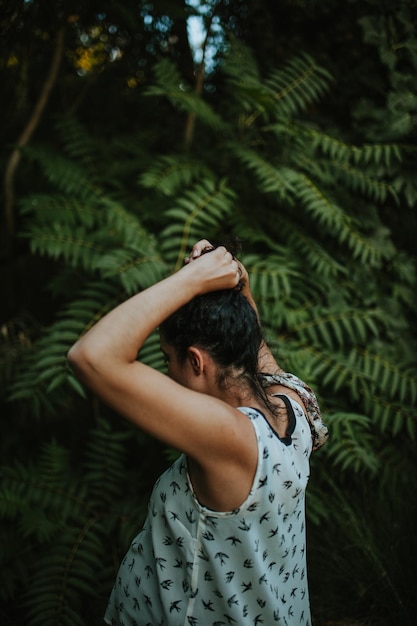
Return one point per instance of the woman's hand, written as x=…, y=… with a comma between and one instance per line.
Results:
x=203, y=246
x=214, y=271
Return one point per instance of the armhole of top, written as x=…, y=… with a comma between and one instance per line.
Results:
x=287, y=439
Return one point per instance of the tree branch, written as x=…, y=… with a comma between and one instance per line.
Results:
x=198, y=88
x=24, y=138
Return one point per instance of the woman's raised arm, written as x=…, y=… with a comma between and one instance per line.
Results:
x=194, y=421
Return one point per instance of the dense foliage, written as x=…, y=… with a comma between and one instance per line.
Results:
x=309, y=160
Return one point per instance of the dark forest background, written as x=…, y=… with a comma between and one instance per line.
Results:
x=289, y=124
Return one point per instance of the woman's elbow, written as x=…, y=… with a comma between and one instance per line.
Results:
x=79, y=359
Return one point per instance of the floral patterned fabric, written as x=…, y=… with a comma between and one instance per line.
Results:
x=319, y=430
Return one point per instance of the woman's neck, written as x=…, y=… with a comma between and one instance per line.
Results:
x=237, y=394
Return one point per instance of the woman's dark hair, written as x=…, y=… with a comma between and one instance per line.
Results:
x=221, y=322
x=225, y=325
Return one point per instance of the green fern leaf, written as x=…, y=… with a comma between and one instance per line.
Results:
x=274, y=276
x=300, y=83
x=104, y=465
x=65, y=575
x=206, y=203
x=169, y=84
x=67, y=176
x=59, y=208
x=351, y=447
x=169, y=174
x=271, y=179
x=132, y=269
x=64, y=241
x=79, y=144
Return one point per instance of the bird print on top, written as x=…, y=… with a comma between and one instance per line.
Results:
x=192, y=566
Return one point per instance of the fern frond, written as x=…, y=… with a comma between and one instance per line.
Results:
x=339, y=328
x=387, y=155
x=72, y=244
x=105, y=237
x=65, y=574
x=301, y=82
x=368, y=154
x=364, y=182
x=170, y=84
x=386, y=392
x=273, y=277
x=51, y=497
x=393, y=410
x=271, y=179
x=251, y=237
x=245, y=86
x=169, y=173
x=240, y=56
x=285, y=93
x=352, y=445
x=367, y=250
x=124, y=226
x=289, y=90
x=67, y=176
x=78, y=143
x=316, y=202
x=104, y=465
x=315, y=256
x=360, y=168
x=197, y=213
x=45, y=369
x=395, y=418
x=132, y=269
x=299, y=243
x=391, y=378
x=46, y=209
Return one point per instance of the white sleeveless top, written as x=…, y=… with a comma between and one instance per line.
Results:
x=192, y=566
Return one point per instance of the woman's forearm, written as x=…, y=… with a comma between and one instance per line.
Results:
x=117, y=337
x=121, y=333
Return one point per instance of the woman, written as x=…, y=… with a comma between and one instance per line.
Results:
x=224, y=540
